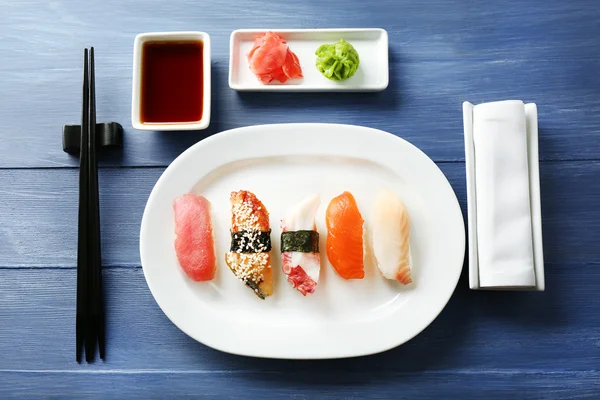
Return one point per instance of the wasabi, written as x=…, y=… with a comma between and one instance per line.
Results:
x=337, y=61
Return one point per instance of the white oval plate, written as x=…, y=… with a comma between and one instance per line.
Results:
x=282, y=164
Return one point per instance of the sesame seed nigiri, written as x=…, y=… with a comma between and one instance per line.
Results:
x=300, y=245
x=194, y=244
x=345, y=232
x=391, y=237
x=249, y=256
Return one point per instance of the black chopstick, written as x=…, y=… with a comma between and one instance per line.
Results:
x=98, y=306
x=82, y=241
x=90, y=312
x=94, y=231
x=90, y=343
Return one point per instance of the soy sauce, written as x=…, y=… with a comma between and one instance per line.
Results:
x=171, y=82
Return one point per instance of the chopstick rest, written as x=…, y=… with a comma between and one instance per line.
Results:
x=108, y=135
x=503, y=195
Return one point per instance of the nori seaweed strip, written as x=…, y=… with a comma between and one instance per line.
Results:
x=242, y=240
x=300, y=241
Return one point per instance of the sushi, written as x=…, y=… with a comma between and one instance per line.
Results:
x=345, y=232
x=194, y=243
x=391, y=237
x=271, y=59
x=249, y=255
x=300, y=245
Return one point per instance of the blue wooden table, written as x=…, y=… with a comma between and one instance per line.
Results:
x=483, y=345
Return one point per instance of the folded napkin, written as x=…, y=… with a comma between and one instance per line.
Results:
x=504, y=226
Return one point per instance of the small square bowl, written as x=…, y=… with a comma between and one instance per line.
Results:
x=139, y=41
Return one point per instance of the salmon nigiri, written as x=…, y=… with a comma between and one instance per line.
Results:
x=391, y=237
x=300, y=245
x=194, y=242
x=345, y=228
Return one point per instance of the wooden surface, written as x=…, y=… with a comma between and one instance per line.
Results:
x=497, y=345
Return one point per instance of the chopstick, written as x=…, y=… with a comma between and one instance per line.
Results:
x=82, y=241
x=90, y=330
x=98, y=306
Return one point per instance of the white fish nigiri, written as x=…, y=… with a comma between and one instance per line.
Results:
x=300, y=245
x=391, y=237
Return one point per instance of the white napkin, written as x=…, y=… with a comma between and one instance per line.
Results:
x=504, y=234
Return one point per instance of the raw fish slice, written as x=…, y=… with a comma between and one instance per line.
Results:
x=345, y=229
x=302, y=267
x=391, y=237
x=194, y=243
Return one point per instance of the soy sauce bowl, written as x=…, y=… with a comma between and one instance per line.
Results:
x=171, y=87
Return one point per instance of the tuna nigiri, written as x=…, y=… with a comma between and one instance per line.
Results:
x=194, y=243
x=271, y=59
x=345, y=229
x=300, y=245
x=391, y=237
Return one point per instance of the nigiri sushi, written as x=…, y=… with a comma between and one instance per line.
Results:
x=391, y=237
x=300, y=245
x=194, y=243
x=345, y=232
x=249, y=256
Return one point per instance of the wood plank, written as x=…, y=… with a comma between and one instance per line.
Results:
x=441, y=53
x=556, y=330
x=38, y=213
x=438, y=29
x=279, y=385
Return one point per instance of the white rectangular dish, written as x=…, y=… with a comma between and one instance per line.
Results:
x=370, y=43
x=534, y=191
x=136, y=93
